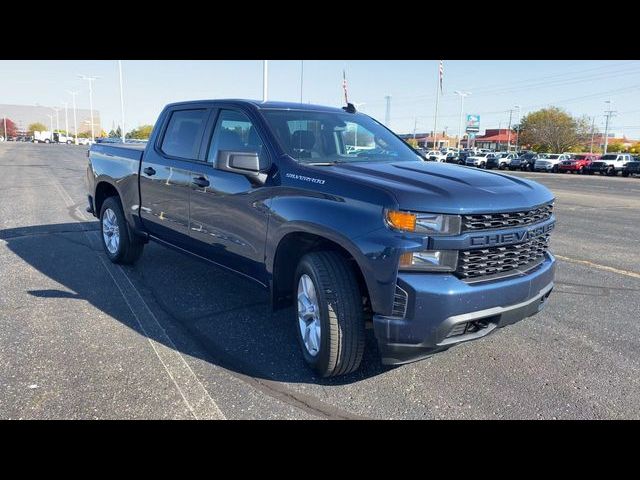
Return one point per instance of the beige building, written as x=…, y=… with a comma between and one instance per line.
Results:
x=24, y=115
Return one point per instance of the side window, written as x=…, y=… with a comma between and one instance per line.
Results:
x=184, y=132
x=234, y=132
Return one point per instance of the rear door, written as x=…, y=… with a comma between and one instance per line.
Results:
x=165, y=176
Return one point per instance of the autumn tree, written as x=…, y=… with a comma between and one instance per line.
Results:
x=36, y=127
x=143, y=132
x=554, y=130
x=11, y=129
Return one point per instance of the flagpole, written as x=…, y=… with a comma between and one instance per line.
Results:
x=435, y=120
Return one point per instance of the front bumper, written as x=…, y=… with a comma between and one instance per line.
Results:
x=543, y=168
x=569, y=167
x=442, y=310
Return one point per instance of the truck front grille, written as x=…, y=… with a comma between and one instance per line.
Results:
x=482, y=264
x=493, y=221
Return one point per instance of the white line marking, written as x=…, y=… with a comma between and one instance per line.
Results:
x=601, y=267
x=199, y=401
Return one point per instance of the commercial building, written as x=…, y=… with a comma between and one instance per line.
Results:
x=25, y=115
x=496, y=139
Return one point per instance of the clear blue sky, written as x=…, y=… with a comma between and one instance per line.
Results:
x=581, y=87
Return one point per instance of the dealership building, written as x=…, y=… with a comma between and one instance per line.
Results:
x=25, y=115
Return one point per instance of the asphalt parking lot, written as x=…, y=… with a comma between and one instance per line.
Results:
x=173, y=337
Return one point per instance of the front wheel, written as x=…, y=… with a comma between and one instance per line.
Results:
x=625, y=174
x=329, y=314
x=47, y=141
x=119, y=243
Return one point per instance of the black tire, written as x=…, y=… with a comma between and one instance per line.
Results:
x=342, y=334
x=130, y=247
x=47, y=140
x=625, y=174
x=589, y=172
x=554, y=169
x=611, y=172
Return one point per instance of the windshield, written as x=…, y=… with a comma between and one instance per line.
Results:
x=335, y=137
x=553, y=157
x=579, y=157
x=609, y=157
x=481, y=155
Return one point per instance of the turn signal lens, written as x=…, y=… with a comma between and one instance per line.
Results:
x=402, y=220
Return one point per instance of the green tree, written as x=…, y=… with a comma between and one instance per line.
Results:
x=117, y=133
x=554, y=130
x=616, y=147
x=143, y=132
x=36, y=127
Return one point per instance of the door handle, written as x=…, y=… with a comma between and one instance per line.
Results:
x=149, y=171
x=201, y=181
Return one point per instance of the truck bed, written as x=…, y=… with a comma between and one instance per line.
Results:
x=131, y=151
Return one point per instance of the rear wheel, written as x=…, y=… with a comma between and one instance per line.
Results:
x=625, y=174
x=555, y=169
x=329, y=314
x=611, y=171
x=119, y=243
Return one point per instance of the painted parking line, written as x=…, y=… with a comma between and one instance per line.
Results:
x=193, y=392
x=628, y=273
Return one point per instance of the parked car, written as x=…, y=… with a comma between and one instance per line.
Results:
x=577, y=162
x=631, y=168
x=452, y=157
x=479, y=160
x=501, y=160
x=609, y=164
x=404, y=251
x=422, y=152
x=436, y=156
x=524, y=162
x=550, y=163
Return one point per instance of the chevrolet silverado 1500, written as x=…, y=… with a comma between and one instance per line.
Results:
x=338, y=218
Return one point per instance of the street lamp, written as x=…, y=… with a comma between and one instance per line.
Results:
x=56, y=109
x=75, y=121
x=121, y=99
x=51, y=125
x=90, y=80
x=66, y=119
x=462, y=95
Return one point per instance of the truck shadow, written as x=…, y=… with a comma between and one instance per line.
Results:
x=208, y=312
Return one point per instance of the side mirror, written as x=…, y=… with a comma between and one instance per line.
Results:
x=246, y=163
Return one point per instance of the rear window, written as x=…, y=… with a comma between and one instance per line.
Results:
x=184, y=132
x=609, y=157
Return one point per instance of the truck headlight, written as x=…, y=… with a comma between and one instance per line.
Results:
x=427, y=223
x=430, y=260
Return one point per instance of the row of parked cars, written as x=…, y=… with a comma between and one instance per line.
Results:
x=579, y=163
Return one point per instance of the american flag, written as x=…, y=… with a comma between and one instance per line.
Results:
x=344, y=86
x=441, y=73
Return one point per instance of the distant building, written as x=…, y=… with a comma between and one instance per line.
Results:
x=496, y=139
x=426, y=140
x=25, y=115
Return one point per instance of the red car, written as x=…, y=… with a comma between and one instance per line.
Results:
x=577, y=162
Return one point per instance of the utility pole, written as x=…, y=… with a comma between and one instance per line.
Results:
x=593, y=132
x=509, y=131
x=387, y=114
x=415, y=125
x=90, y=80
x=518, y=129
x=462, y=95
x=609, y=114
x=122, y=129
x=51, y=125
x=75, y=121
x=265, y=79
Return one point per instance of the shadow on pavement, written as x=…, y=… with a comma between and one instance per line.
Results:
x=226, y=319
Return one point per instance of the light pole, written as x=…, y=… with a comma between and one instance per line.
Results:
x=265, y=79
x=518, y=128
x=51, y=125
x=610, y=113
x=5, y=128
x=387, y=113
x=66, y=119
x=56, y=109
x=90, y=80
x=121, y=99
x=593, y=132
x=462, y=95
x=75, y=120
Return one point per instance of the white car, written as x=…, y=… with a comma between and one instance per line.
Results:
x=479, y=159
x=501, y=160
x=436, y=156
x=550, y=163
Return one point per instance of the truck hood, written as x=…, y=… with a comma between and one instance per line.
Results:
x=447, y=188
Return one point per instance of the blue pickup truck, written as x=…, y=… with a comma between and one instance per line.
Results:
x=342, y=221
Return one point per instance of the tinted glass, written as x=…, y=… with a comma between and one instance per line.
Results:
x=184, y=132
x=319, y=137
x=234, y=132
x=608, y=157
